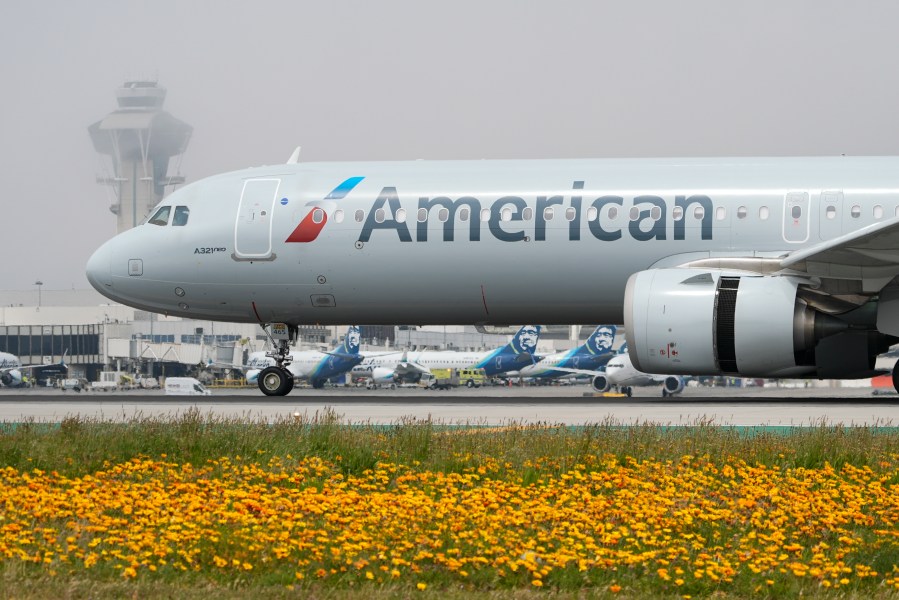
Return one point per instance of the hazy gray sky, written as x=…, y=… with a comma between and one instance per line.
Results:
x=412, y=79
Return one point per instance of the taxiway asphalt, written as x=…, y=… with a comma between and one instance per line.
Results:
x=776, y=407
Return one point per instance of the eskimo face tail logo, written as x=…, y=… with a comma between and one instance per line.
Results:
x=351, y=342
x=526, y=339
x=602, y=339
x=312, y=223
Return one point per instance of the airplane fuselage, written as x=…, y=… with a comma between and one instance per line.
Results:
x=487, y=242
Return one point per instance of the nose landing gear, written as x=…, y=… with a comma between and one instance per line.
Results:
x=278, y=380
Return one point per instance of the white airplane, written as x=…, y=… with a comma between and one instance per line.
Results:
x=757, y=267
x=394, y=367
x=12, y=371
x=585, y=359
x=620, y=373
x=309, y=365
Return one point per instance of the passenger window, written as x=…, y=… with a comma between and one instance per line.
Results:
x=698, y=212
x=763, y=213
x=422, y=215
x=338, y=215
x=161, y=217
x=182, y=213
x=463, y=213
x=613, y=213
x=678, y=213
x=570, y=213
x=400, y=215
x=528, y=213
x=655, y=213
x=592, y=213
x=856, y=211
x=506, y=214
x=485, y=215
x=720, y=213
x=635, y=213
x=360, y=215
x=548, y=213
x=831, y=212
x=318, y=215
x=379, y=215
x=796, y=212
x=443, y=215
x=741, y=212
x=878, y=212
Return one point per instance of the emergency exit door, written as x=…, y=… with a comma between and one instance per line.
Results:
x=253, y=229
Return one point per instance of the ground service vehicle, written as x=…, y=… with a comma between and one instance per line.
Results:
x=185, y=386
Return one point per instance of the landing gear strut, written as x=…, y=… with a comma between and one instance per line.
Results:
x=278, y=380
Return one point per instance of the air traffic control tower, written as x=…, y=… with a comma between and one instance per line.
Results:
x=140, y=138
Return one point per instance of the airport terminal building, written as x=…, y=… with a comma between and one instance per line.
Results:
x=81, y=328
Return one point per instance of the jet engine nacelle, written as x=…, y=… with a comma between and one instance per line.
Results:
x=673, y=385
x=600, y=384
x=11, y=378
x=711, y=322
x=382, y=375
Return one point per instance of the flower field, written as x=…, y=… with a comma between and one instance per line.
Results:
x=318, y=505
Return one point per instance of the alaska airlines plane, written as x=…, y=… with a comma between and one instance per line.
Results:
x=12, y=371
x=585, y=359
x=759, y=267
x=621, y=374
x=310, y=365
x=395, y=367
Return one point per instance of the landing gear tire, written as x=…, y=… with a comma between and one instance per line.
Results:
x=896, y=376
x=274, y=381
x=628, y=391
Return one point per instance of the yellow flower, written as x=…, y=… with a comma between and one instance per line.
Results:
x=537, y=583
x=421, y=585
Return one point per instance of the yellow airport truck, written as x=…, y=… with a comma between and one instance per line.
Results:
x=444, y=379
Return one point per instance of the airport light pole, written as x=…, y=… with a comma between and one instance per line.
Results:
x=38, y=283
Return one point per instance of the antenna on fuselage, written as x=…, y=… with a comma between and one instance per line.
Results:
x=295, y=157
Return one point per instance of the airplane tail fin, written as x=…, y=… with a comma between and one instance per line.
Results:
x=351, y=341
x=600, y=341
x=525, y=341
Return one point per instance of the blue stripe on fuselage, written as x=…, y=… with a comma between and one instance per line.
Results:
x=344, y=188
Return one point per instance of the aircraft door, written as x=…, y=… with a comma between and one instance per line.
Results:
x=796, y=217
x=253, y=228
x=830, y=215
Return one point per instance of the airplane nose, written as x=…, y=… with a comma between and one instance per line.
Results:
x=98, y=269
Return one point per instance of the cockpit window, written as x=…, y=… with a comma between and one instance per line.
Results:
x=161, y=217
x=181, y=215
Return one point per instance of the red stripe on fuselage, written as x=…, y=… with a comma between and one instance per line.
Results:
x=308, y=229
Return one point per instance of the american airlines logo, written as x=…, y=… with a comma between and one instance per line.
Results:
x=313, y=223
x=607, y=218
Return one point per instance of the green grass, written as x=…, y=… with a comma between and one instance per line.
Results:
x=83, y=445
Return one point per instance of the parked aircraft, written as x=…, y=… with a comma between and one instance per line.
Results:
x=585, y=359
x=12, y=371
x=310, y=365
x=398, y=366
x=759, y=267
x=621, y=374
